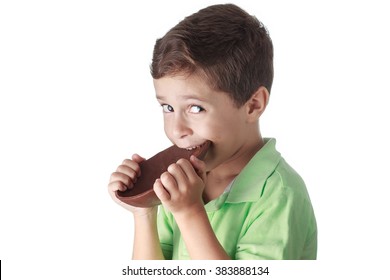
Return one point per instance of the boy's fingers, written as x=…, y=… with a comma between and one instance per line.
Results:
x=168, y=182
x=160, y=191
x=137, y=158
x=199, y=166
x=116, y=186
x=177, y=171
x=131, y=173
x=133, y=164
x=122, y=178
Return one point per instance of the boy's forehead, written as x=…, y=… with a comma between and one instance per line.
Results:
x=183, y=87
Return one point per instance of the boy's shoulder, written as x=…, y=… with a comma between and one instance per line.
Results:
x=267, y=173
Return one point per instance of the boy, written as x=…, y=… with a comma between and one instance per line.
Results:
x=212, y=75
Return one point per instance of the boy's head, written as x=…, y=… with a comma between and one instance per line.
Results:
x=221, y=44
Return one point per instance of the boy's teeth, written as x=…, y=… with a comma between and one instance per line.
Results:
x=193, y=148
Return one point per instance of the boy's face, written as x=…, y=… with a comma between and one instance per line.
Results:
x=194, y=113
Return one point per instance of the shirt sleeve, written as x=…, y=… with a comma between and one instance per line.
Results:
x=280, y=226
x=165, y=232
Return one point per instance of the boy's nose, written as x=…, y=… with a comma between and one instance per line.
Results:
x=180, y=128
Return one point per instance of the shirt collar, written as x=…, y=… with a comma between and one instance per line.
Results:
x=249, y=184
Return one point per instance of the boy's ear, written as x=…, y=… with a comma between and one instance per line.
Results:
x=256, y=105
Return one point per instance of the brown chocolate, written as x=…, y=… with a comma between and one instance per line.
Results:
x=142, y=193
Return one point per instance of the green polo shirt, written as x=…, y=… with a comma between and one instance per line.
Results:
x=265, y=213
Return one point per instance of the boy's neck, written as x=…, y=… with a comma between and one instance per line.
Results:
x=234, y=166
x=219, y=177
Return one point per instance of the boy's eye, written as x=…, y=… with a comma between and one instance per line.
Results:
x=196, y=109
x=167, y=108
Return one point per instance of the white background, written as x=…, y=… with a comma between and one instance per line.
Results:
x=76, y=98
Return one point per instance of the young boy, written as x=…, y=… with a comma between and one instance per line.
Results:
x=212, y=75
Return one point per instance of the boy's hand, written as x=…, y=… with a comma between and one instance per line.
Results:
x=124, y=178
x=180, y=188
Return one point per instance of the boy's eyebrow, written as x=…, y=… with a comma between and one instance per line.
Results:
x=159, y=97
x=184, y=97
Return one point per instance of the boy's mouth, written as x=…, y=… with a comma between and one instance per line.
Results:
x=197, y=146
x=199, y=150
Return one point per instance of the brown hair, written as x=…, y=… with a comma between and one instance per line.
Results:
x=221, y=43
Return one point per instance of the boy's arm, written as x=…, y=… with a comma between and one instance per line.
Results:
x=180, y=190
x=146, y=242
x=199, y=236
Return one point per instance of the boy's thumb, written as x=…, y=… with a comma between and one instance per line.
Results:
x=200, y=166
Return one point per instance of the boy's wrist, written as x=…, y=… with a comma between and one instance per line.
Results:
x=145, y=213
x=190, y=213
